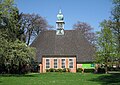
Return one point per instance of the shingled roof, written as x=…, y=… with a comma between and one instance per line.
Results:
x=71, y=43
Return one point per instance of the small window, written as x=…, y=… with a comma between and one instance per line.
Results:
x=55, y=63
x=63, y=63
x=47, y=63
x=70, y=63
x=60, y=25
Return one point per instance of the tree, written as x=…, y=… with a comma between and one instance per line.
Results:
x=9, y=19
x=20, y=56
x=22, y=26
x=115, y=25
x=105, y=45
x=86, y=29
x=108, y=43
x=32, y=24
x=14, y=54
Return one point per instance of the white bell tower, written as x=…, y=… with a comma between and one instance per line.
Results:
x=60, y=23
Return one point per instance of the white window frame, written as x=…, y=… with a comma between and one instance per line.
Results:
x=70, y=62
x=64, y=63
x=57, y=63
x=46, y=63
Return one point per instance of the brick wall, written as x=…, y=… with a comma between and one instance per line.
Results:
x=59, y=63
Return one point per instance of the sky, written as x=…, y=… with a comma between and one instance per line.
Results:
x=90, y=11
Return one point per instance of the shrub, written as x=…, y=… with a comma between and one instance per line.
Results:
x=101, y=70
x=89, y=70
x=52, y=70
x=113, y=69
x=67, y=70
x=56, y=70
x=64, y=70
x=59, y=70
x=47, y=70
x=79, y=70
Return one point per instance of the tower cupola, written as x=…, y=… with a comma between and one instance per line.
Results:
x=60, y=16
x=60, y=23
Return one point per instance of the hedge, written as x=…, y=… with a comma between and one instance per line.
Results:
x=58, y=70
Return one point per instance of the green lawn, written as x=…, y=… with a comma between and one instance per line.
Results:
x=61, y=79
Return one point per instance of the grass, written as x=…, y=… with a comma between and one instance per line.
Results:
x=61, y=79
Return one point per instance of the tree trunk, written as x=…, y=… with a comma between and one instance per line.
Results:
x=106, y=66
x=19, y=67
x=29, y=36
x=106, y=69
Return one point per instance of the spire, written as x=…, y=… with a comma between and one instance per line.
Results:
x=60, y=12
x=60, y=16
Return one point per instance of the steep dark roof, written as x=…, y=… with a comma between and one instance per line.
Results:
x=71, y=43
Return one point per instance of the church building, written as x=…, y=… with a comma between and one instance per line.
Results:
x=63, y=48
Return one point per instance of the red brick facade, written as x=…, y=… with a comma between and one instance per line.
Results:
x=59, y=63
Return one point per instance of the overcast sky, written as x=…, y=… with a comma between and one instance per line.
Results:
x=89, y=11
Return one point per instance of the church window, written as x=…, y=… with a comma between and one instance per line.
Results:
x=70, y=63
x=63, y=63
x=55, y=63
x=47, y=63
